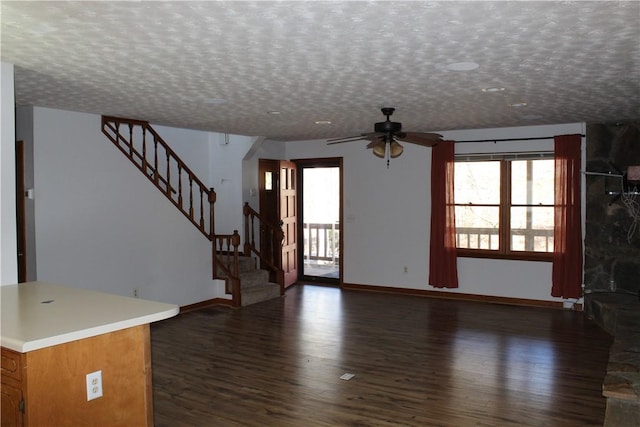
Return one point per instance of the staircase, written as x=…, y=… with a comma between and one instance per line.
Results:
x=246, y=283
x=254, y=282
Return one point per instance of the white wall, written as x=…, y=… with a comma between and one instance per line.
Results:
x=101, y=225
x=226, y=179
x=387, y=214
x=8, y=235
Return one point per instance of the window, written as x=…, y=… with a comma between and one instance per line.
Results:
x=504, y=206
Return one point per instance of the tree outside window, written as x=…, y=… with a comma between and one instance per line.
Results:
x=504, y=206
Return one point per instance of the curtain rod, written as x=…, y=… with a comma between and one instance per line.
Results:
x=510, y=139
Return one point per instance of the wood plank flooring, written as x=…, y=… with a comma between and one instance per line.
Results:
x=417, y=362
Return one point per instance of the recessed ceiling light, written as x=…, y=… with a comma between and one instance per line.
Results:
x=532, y=117
x=462, y=66
x=42, y=29
x=518, y=104
x=492, y=89
x=215, y=101
x=273, y=112
x=323, y=122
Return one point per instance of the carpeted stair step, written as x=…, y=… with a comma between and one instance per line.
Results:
x=249, y=279
x=245, y=263
x=259, y=293
x=254, y=283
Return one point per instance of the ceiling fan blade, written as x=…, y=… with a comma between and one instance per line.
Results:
x=420, y=138
x=365, y=136
x=344, y=139
x=341, y=140
x=377, y=141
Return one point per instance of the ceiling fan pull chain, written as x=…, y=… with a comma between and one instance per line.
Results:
x=388, y=153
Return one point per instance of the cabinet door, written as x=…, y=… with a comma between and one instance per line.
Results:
x=12, y=415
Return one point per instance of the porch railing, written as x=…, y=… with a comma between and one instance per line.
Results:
x=321, y=241
x=532, y=240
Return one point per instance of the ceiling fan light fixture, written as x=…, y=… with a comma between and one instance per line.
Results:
x=395, y=149
x=380, y=150
x=391, y=133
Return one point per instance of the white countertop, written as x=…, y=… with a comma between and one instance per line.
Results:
x=36, y=315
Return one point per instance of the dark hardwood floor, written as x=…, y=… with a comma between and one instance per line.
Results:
x=417, y=362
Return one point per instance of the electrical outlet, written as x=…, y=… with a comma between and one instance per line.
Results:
x=94, y=385
x=136, y=293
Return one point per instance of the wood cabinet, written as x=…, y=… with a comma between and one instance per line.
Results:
x=47, y=387
x=12, y=404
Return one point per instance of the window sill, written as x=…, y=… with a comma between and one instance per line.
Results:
x=518, y=256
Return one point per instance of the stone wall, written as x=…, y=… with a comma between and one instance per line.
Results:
x=611, y=261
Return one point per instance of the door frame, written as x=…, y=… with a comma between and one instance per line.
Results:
x=311, y=163
x=21, y=208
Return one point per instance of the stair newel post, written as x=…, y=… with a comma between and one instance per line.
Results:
x=246, y=210
x=212, y=233
x=235, y=292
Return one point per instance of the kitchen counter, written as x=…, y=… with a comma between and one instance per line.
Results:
x=37, y=314
x=76, y=357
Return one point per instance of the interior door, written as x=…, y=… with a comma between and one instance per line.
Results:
x=288, y=218
x=278, y=204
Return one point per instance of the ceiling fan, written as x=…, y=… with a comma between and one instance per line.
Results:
x=390, y=133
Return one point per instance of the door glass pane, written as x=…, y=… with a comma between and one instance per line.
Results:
x=268, y=181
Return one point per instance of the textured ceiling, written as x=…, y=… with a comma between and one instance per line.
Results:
x=171, y=62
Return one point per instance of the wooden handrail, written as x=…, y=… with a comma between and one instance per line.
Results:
x=264, y=239
x=156, y=160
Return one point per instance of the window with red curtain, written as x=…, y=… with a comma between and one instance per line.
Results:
x=443, y=268
x=567, y=236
